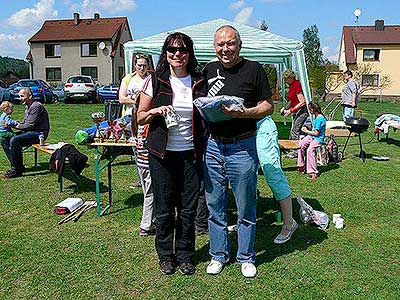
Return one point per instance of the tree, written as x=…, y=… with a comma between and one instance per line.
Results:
x=314, y=61
x=312, y=47
x=19, y=65
x=272, y=75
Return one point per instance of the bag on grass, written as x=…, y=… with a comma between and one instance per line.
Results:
x=309, y=215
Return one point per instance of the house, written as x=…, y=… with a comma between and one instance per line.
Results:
x=10, y=77
x=372, y=53
x=94, y=47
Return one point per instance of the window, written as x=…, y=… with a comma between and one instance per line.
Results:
x=371, y=54
x=89, y=49
x=53, y=74
x=120, y=73
x=89, y=71
x=121, y=50
x=370, y=80
x=52, y=50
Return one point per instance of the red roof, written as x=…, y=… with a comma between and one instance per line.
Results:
x=357, y=35
x=87, y=29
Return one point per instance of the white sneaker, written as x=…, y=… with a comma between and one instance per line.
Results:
x=214, y=267
x=249, y=270
x=232, y=228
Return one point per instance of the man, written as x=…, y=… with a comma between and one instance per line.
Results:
x=231, y=156
x=36, y=121
x=349, y=95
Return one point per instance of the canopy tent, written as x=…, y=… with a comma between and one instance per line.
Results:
x=258, y=45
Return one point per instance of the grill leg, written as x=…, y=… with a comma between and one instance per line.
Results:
x=362, y=155
x=345, y=144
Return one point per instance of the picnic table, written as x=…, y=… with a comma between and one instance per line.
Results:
x=107, y=152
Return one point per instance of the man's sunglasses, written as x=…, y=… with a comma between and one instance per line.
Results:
x=173, y=50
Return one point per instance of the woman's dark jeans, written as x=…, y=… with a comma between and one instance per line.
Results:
x=176, y=184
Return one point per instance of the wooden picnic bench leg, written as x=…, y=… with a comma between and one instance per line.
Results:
x=97, y=170
x=60, y=183
x=35, y=155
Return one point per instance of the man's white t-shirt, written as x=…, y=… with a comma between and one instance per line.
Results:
x=180, y=138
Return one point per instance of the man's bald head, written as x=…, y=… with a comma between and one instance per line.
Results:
x=25, y=95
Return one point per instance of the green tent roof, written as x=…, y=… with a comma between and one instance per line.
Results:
x=262, y=46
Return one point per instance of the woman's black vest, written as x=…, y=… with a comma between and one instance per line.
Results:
x=157, y=137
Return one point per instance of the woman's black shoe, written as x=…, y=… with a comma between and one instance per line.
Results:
x=167, y=267
x=187, y=268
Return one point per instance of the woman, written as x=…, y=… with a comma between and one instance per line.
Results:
x=312, y=141
x=129, y=91
x=269, y=155
x=175, y=152
x=297, y=106
x=131, y=85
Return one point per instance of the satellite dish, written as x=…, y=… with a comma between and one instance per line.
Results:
x=102, y=45
x=357, y=12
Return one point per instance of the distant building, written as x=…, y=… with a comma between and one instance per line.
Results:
x=10, y=77
x=94, y=47
x=378, y=47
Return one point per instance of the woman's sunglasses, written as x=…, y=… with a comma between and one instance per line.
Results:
x=139, y=56
x=173, y=50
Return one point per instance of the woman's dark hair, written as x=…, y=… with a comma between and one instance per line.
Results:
x=181, y=40
x=315, y=107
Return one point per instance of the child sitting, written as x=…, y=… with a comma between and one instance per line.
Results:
x=6, y=122
x=312, y=141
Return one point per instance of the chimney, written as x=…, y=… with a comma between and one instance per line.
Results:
x=96, y=16
x=379, y=25
x=76, y=18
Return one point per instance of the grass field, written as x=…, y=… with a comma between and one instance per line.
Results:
x=104, y=258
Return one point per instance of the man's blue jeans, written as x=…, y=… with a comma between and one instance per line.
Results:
x=13, y=147
x=348, y=112
x=237, y=164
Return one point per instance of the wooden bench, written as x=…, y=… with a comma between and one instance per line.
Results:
x=43, y=148
x=36, y=148
x=288, y=145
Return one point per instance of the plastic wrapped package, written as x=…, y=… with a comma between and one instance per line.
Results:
x=210, y=107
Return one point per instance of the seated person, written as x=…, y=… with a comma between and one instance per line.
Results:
x=36, y=121
x=312, y=141
x=6, y=122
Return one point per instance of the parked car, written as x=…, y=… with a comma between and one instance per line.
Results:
x=79, y=88
x=59, y=92
x=4, y=92
x=41, y=90
x=107, y=92
x=11, y=91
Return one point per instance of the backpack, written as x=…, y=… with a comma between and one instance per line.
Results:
x=333, y=150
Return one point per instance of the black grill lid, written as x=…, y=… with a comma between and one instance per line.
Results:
x=357, y=121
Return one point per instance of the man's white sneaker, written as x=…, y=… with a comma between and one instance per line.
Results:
x=249, y=270
x=214, y=267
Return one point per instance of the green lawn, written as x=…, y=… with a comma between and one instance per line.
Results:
x=104, y=258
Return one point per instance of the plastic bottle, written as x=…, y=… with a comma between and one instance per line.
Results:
x=41, y=139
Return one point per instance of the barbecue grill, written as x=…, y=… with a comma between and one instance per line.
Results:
x=358, y=126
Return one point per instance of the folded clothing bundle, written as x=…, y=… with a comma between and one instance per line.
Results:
x=210, y=107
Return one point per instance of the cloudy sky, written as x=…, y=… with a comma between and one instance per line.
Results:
x=19, y=20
